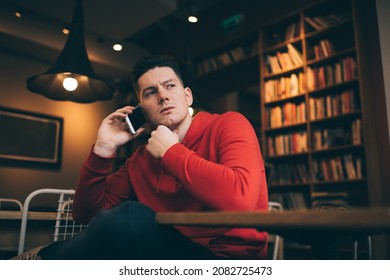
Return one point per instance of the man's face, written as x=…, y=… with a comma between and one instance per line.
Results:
x=163, y=97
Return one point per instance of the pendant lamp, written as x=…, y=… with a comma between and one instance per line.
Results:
x=72, y=77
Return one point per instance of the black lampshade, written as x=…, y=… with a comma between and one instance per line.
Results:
x=72, y=62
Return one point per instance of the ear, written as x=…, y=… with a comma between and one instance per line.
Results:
x=189, y=96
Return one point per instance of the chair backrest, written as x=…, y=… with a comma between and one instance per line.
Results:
x=273, y=206
x=276, y=207
x=10, y=201
x=65, y=227
x=340, y=206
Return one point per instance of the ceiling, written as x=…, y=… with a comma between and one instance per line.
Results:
x=37, y=34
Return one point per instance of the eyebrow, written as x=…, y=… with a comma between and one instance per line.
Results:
x=163, y=83
x=168, y=81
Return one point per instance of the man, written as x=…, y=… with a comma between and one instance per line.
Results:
x=202, y=163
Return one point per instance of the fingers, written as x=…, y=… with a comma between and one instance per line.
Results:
x=121, y=113
x=160, y=141
x=126, y=110
x=139, y=131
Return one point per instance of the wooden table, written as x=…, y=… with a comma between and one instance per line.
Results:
x=363, y=220
x=320, y=230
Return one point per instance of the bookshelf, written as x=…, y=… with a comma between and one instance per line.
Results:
x=227, y=76
x=238, y=52
x=312, y=119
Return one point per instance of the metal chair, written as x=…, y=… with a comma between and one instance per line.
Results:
x=274, y=206
x=11, y=201
x=356, y=240
x=65, y=227
x=278, y=241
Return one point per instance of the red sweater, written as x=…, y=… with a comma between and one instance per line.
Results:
x=217, y=166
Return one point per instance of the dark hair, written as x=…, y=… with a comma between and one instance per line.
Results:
x=150, y=62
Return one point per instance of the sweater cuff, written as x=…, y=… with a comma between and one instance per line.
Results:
x=99, y=163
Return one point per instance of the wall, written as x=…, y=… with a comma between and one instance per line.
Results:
x=81, y=122
x=383, y=10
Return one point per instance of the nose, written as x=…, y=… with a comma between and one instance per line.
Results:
x=162, y=97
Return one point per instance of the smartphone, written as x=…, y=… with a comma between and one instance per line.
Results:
x=135, y=120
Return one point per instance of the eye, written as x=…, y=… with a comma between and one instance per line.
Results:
x=171, y=85
x=149, y=92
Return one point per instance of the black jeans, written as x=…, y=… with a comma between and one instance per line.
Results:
x=127, y=231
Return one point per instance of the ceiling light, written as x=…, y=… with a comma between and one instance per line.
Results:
x=192, y=19
x=117, y=47
x=72, y=63
x=65, y=31
x=70, y=84
x=18, y=14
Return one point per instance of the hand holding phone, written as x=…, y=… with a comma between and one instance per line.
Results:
x=136, y=120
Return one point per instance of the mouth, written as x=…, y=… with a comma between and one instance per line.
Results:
x=166, y=109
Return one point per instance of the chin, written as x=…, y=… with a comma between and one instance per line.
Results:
x=167, y=123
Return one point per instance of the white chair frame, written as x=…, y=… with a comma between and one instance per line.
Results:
x=12, y=201
x=276, y=207
x=64, y=225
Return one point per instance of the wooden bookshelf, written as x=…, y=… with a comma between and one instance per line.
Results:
x=311, y=107
x=227, y=77
x=305, y=69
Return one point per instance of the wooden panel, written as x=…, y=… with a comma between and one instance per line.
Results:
x=39, y=232
x=16, y=215
x=362, y=221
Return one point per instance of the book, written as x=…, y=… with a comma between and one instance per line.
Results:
x=310, y=79
x=323, y=21
x=349, y=166
x=282, y=61
x=294, y=85
x=296, y=56
x=314, y=24
x=237, y=54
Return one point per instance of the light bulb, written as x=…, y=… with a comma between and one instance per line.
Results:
x=70, y=84
x=192, y=19
x=117, y=47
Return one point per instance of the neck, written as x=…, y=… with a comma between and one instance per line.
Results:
x=183, y=127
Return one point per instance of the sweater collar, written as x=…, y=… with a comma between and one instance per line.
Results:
x=199, y=123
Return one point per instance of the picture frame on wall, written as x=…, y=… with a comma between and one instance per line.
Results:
x=30, y=138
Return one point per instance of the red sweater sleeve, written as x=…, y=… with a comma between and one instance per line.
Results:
x=97, y=188
x=236, y=181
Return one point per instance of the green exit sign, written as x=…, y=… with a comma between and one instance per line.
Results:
x=232, y=22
